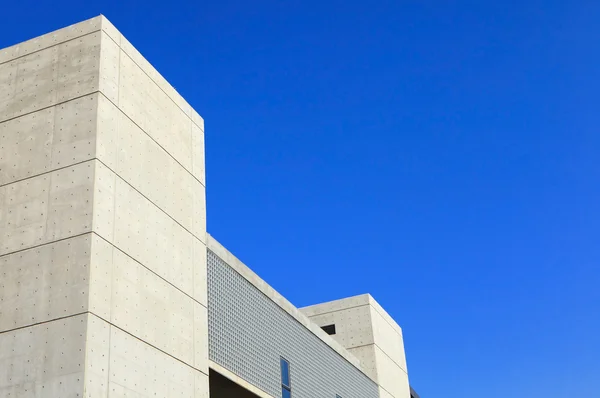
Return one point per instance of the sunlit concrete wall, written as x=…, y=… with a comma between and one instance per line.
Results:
x=372, y=336
x=102, y=223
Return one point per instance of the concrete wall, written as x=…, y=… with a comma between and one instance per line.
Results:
x=251, y=327
x=370, y=334
x=102, y=223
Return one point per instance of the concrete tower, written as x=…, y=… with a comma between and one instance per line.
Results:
x=369, y=333
x=102, y=223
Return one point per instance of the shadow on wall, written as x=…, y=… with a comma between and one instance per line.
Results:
x=222, y=387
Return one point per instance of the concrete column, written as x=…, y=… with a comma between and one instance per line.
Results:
x=102, y=223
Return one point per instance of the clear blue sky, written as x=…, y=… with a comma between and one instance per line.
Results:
x=442, y=156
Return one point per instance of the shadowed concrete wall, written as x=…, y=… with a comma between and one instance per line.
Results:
x=102, y=223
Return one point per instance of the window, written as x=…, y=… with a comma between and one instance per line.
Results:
x=286, y=382
x=329, y=329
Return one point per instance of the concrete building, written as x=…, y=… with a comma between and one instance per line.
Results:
x=110, y=285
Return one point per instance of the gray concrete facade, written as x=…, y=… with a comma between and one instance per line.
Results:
x=105, y=285
x=102, y=223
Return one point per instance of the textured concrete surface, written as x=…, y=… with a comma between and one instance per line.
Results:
x=102, y=223
x=372, y=336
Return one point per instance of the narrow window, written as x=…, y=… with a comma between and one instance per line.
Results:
x=286, y=383
x=329, y=329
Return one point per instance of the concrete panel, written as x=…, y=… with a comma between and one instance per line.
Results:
x=45, y=208
x=50, y=76
x=79, y=66
x=97, y=357
x=151, y=109
x=388, y=339
x=73, y=136
x=70, y=201
x=45, y=360
x=390, y=376
x=105, y=185
x=101, y=277
x=48, y=139
x=198, y=168
x=44, y=283
x=366, y=356
x=152, y=310
x=51, y=39
x=140, y=370
x=26, y=145
x=151, y=237
x=146, y=166
x=23, y=213
x=109, y=68
x=149, y=169
x=107, y=117
x=31, y=82
x=156, y=77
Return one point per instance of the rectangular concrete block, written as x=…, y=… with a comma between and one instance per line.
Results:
x=23, y=213
x=388, y=339
x=26, y=145
x=30, y=83
x=44, y=283
x=147, y=167
x=151, y=237
x=70, y=201
x=156, y=77
x=390, y=376
x=50, y=76
x=78, y=66
x=74, y=133
x=101, y=277
x=366, y=356
x=102, y=223
x=97, y=358
x=47, y=207
x=109, y=68
x=45, y=360
x=154, y=112
x=151, y=309
x=47, y=139
x=105, y=185
x=140, y=370
x=51, y=39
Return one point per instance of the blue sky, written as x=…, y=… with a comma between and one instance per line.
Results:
x=442, y=156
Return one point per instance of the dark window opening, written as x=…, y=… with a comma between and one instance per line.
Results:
x=329, y=329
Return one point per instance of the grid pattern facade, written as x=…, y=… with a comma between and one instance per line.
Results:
x=249, y=334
